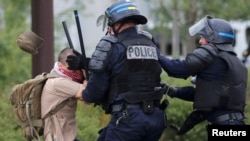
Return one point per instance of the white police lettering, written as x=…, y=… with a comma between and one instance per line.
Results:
x=141, y=52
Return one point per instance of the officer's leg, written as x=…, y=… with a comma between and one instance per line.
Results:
x=127, y=125
x=102, y=134
x=156, y=124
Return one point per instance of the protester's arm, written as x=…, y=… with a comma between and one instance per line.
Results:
x=80, y=90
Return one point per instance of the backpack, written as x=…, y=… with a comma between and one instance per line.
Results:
x=25, y=99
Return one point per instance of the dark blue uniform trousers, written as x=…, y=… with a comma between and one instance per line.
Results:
x=134, y=125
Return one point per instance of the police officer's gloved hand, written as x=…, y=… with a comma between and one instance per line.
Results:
x=171, y=92
x=75, y=61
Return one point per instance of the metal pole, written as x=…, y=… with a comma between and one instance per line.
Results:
x=42, y=25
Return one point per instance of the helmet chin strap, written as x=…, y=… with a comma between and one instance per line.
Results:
x=116, y=31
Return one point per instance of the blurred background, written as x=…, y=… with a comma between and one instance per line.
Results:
x=168, y=21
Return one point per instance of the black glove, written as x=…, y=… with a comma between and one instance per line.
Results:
x=164, y=104
x=170, y=91
x=76, y=61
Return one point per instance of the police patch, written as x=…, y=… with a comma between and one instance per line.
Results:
x=141, y=52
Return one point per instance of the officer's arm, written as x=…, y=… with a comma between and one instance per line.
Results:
x=201, y=58
x=185, y=93
x=97, y=87
x=175, y=68
x=98, y=83
x=101, y=55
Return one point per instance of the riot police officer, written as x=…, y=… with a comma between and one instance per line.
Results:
x=221, y=78
x=125, y=78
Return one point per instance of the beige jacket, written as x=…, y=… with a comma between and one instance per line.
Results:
x=61, y=126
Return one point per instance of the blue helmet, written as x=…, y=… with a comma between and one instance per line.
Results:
x=124, y=10
x=214, y=30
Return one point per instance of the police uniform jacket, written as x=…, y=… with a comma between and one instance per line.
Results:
x=220, y=84
x=100, y=82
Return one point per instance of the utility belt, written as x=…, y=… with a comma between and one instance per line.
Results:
x=230, y=117
x=148, y=106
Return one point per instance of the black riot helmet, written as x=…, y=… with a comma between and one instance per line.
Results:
x=214, y=30
x=121, y=11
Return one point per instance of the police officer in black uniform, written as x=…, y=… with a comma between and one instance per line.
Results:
x=125, y=78
x=221, y=78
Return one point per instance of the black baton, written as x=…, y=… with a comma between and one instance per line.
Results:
x=81, y=44
x=67, y=34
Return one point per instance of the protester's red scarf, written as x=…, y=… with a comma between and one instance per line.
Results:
x=76, y=75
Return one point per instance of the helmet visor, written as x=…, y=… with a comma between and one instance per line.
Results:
x=196, y=28
x=102, y=21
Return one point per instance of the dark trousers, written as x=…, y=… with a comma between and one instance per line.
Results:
x=134, y=125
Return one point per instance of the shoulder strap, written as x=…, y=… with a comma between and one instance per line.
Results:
x=49, y=75
x=58, y=107
x=61, y=105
